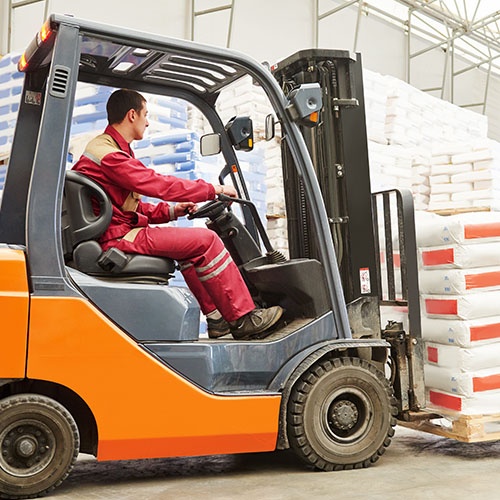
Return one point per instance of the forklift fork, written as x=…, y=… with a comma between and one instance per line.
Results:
x=397, y=274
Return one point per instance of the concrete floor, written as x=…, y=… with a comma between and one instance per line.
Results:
x=415, y=466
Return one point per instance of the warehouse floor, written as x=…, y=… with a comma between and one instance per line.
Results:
x=415, y=466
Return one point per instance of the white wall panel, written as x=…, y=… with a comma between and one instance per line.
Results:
x=272, y=30
x=28, y=19
x=168, y=18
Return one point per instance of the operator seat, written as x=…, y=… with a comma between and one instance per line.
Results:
x=81, y=228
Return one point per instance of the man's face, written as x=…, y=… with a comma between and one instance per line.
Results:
x=140, y=122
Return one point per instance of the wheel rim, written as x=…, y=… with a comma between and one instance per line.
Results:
x=346, y=415
x=27, y=447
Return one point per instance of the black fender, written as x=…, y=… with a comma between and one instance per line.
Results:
x=374, y=350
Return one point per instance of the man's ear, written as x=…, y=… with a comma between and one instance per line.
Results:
x=131, y=115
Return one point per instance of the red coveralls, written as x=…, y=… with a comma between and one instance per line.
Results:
x=206, y=265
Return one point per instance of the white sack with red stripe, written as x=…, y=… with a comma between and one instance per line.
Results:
x=466, y=306
x=463, y=359
x=460, y=256
x=459, y=281
x=469, y=228
x=454, y=381
x=462, y=333
x=481, y=403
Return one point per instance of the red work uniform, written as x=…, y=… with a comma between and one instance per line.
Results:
x=206, y=265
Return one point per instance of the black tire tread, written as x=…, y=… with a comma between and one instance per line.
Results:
x=296, y=433
x=49, y=403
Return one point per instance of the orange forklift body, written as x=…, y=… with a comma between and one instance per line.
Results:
x=167, y=416
x=14, y=298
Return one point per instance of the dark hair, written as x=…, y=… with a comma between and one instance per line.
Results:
x=120, y=102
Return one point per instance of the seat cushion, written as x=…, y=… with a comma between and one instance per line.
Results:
x=87, y=255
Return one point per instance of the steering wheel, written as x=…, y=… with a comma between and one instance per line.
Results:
x=211, y=209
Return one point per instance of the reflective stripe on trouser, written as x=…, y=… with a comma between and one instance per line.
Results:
x=209, y=271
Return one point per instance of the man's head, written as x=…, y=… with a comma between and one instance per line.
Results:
x=127, y=112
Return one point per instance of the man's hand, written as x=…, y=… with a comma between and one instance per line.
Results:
x=185, y=208
x=226, y=189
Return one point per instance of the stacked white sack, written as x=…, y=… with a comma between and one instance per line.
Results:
x=390, y=167
x=275, y=203
x=420, y=179
x=263, y=166
x=465, y=176
x=243, y=98
x=460, y=292
x=415, y=118
x=375, y=91
x=416, y=123
x=11, y=84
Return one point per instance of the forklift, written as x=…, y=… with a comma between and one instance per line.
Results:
x=104, y=356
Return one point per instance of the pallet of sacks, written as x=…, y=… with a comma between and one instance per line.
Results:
x=459, y=281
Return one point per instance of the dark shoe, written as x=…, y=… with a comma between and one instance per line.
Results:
x=255, y=323
x=217, y=328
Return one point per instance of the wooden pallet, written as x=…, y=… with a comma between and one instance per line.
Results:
x=466, y=428
x=456, y=211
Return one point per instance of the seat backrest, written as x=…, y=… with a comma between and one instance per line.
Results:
x=82, y=226
x=81, y=197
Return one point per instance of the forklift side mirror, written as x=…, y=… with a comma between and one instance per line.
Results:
x=305, y=104
x=270, y=127
x=240, y=132
x=210, y=144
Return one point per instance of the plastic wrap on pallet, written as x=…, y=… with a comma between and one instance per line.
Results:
x=173, y=137
x=172, y=103
x=173, y=158
x=185, y=166
x=3, y=172
x=90, y=117
x=459, y=282
x=185, y=146
x=11, y=82
x=168, y=109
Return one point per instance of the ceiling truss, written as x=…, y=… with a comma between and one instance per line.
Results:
x=454, y=26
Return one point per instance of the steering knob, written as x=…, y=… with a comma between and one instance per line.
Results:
x=212, y=209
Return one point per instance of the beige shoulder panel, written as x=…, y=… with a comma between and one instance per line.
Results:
x=99, y=147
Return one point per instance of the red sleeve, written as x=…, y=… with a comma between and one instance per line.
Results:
x=129, y=173
x=156, y=214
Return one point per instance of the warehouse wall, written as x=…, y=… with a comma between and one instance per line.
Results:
x=269, y=31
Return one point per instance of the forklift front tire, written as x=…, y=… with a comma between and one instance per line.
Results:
x=341, y=415
x=39, y=443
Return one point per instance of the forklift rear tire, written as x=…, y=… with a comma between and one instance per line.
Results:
x=341, y=415
x=39, y=443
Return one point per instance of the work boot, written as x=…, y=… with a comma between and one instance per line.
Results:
x=217, y=328
x=255, y=323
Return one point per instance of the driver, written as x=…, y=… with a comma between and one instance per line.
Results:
x=206, y=265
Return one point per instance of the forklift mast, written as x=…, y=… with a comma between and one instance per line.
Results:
x=373, y=234
x=339, y=151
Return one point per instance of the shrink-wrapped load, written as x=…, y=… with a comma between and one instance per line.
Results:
x=459, y=280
